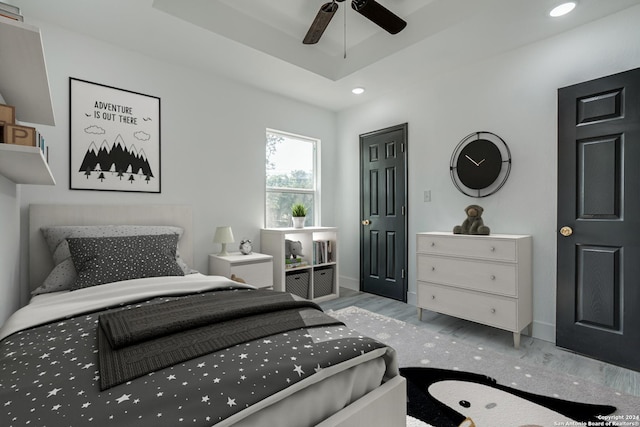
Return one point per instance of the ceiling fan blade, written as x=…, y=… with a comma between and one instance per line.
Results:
x=380, y=15
x=320, y=23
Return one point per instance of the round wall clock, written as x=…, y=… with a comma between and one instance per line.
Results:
x=480, y=164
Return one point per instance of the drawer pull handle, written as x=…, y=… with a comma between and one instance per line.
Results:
x=433, y=297
x=493, y=277
x=493, y=310
x=433, y=244
x=493, y=249
x=433, y=269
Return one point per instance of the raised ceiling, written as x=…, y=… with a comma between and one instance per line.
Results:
x=350, y=43
x=259, y=42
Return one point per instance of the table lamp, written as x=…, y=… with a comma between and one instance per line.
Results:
x=223, y=236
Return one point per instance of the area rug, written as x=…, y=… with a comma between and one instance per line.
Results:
x=446, y=398
x=418, y=347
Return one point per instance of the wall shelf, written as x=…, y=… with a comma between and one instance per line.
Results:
x=24, y=82
x=25, y=165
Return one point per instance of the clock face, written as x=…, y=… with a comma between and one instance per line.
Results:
x=480, y=164
x=245, y=247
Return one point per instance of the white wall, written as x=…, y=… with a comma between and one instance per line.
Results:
x=213, y=138
x=9, y=244
x=514, y=96
x=213, y=141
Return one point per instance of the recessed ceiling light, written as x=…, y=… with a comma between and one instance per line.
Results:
x=563, y=9
x=358, y=90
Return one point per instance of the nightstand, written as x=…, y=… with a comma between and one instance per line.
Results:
x=255, y=269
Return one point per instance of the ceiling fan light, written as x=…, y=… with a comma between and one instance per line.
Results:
x=562, y=9
x=357, y=90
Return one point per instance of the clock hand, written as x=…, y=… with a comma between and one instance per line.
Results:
x=481, y=162
x=472, y=161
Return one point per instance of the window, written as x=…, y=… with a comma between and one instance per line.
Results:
x=292, y=172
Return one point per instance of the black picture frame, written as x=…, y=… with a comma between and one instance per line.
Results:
x=114, y=139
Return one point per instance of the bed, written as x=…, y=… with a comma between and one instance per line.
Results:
x=83, y=357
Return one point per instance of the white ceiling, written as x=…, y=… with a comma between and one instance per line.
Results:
x=259, y=42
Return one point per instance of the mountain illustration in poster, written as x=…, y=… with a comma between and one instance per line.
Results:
x=116, y=161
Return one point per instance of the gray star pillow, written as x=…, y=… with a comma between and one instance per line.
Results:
x=100, y=260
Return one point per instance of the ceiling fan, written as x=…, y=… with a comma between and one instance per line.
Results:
x=370, y=9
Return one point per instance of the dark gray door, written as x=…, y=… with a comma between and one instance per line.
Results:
x=598, y=295
x=383, y=207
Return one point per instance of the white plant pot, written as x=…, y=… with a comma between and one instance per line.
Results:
x=298, y=221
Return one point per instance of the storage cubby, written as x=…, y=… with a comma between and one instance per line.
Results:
x=318, y=260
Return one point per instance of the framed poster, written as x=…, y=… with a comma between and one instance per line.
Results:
x=114, y=139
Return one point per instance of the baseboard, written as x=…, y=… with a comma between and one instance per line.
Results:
x=544, y=331
x=412, y=298
x=349, y=283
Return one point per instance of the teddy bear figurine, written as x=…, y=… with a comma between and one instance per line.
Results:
x=474, y=223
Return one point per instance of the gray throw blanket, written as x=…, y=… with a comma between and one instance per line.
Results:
x=134, y=342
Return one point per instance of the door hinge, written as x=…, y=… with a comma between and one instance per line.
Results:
x=402, y=147
x=402, y=210
x=403, y=273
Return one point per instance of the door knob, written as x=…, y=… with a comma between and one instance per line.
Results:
x=566, y=231
x=366, y=222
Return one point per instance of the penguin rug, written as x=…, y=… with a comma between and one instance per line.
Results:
x=446, y=398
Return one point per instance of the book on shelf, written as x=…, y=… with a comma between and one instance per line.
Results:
x=295, y=262
x=322, y=251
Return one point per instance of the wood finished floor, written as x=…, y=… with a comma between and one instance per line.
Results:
x=532, y=351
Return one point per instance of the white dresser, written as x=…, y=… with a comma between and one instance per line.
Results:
x=485, y=279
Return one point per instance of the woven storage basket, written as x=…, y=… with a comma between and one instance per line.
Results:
x=298, y=283
x=322, y=281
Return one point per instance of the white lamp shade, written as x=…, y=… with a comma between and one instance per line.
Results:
x=223, y=236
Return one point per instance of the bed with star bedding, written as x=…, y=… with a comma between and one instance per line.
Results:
x=181, y=348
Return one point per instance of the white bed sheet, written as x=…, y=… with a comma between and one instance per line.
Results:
x=58, y=305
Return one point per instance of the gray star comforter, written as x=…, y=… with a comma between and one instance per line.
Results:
x=50, y=373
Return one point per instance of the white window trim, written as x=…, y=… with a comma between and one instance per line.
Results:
x=316, y=177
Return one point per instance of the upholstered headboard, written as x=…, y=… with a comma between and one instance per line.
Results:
x=40, y=261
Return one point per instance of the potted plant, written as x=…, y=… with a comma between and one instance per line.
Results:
x=298, y=212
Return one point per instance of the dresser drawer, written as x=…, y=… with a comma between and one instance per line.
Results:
x=482, y=247
x=493, y=277
x=490, y=310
